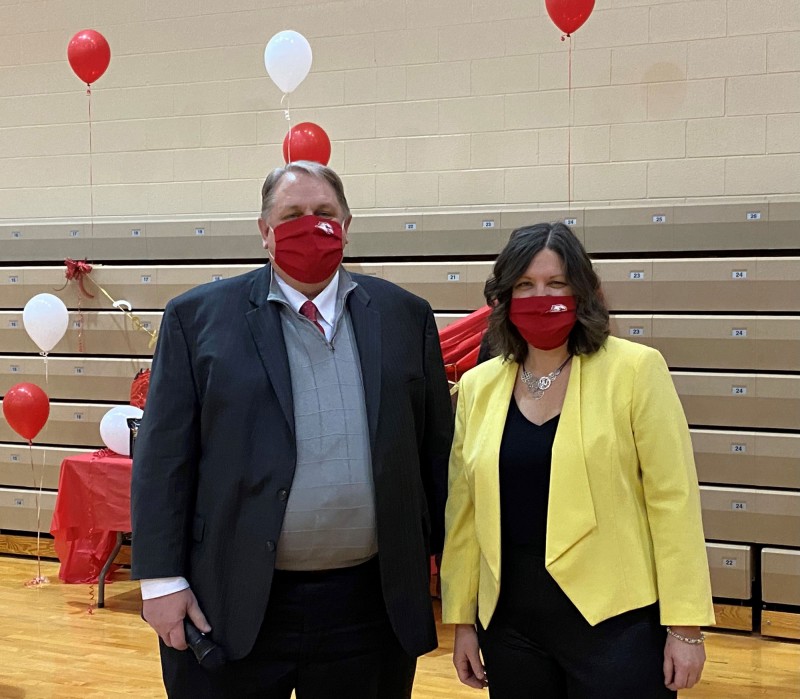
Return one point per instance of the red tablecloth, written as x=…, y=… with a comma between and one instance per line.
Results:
x=93, y=503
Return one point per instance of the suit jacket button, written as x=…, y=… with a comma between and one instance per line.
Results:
x=270, y=545
x=283, y=495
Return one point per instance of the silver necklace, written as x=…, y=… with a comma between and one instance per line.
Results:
x=537, y=385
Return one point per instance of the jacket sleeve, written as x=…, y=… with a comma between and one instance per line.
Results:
x=460, y=571
x=165, y=459
x=438, y=434
x=672, y=496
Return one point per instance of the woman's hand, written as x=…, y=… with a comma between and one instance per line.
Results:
x=683, y=662
x=467, y=657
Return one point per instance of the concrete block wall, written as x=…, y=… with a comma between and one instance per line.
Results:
x=450, y=104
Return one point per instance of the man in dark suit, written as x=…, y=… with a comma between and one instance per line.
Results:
x=290, y=470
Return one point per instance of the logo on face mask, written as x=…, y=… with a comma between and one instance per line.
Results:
x=325, y=227
x=543, y=324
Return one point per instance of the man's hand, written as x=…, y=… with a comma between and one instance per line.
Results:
x=467, y=657
x=683, y=662
x=165, y=614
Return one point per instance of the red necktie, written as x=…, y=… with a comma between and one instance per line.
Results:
x=309, y=310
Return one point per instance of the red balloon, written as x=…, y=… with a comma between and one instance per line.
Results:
x=26, y=408
x=308, y=142
x=569, y=15
x=89, y=55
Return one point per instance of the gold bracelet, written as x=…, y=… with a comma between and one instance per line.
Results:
x=687, y=639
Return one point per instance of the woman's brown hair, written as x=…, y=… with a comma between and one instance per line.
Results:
x=592, y=327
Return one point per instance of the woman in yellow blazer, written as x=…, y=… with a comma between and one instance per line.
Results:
x=574, y=557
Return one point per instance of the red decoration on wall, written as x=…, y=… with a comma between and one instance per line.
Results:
x=76, y=269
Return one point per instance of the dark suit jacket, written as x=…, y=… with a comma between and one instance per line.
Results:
x=215, y=454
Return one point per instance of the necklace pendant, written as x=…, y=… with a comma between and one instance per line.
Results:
x=538, y=385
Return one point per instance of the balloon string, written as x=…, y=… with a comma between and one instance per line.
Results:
x=38, y=514
x=93, y=562
x=91, y=173
x=46, y=374
x=288, y=115
x=569, y=127
x=137, y=323
x=39, y=579
x=81, y=346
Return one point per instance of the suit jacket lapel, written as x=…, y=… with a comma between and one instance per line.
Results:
x=570, y=515
x=367, y=328
x=265, y=327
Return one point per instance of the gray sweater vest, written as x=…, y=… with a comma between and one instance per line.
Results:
x=330, y=514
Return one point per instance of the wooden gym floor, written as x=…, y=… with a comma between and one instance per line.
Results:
x=51, y=647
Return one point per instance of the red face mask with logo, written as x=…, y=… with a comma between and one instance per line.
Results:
x=309, y=248
x=545, y=322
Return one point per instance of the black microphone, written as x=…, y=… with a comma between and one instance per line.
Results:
x=209, y=655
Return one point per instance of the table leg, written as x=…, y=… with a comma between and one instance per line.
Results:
x=101, y=583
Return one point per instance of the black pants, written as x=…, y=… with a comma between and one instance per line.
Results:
x=539, y=646
x=325, y=635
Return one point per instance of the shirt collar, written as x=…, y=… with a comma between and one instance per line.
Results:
x=325, y=300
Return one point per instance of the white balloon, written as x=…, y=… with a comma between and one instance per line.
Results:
x=288, y=59
x=114, y=428
x=45, y=318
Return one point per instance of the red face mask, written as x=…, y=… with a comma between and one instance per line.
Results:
x=544, y=321
x=309, y=248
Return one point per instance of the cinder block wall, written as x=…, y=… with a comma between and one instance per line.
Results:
x=453, y=103
x=446, y=116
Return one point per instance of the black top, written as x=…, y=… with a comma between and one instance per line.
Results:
x=525, y=455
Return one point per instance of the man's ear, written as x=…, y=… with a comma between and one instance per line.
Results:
x=263, y=228
x=346, y=229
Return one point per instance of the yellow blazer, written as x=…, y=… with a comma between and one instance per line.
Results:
x=623, y=524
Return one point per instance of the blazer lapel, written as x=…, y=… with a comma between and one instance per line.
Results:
x=265, y=326
x=367, y=328
x=570, y=514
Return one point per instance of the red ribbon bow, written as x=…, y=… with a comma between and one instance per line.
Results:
x=76, y=269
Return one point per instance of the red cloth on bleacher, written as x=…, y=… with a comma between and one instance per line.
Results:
x=461, y=342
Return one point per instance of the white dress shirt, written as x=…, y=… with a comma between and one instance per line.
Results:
x=325, y=301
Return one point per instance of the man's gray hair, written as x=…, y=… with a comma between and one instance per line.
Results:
x=307, y=167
